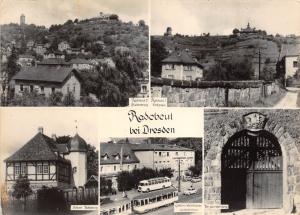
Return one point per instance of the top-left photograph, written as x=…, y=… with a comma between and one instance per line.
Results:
x=73, y=53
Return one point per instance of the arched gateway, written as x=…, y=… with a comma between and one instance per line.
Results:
x=251, y=170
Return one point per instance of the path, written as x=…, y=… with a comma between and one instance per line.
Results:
x=290, y=99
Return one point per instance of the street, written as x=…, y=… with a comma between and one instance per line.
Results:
x=289, y=100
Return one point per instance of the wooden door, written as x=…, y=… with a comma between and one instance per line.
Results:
x=252, y=165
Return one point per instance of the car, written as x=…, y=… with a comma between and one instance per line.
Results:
x=196, y=179
x=187, y=178
x=190, y=191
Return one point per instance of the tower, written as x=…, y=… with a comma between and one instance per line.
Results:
x=78, y=157
x=168, y=31
x=22, y=20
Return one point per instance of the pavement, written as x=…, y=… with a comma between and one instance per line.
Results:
x=290, y=99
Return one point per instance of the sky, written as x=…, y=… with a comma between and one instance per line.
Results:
x=194, y=17
x=48, y=12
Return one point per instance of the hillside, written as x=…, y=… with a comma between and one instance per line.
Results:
x=210, y=49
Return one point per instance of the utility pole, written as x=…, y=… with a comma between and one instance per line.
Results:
x=179, y=175
x=259, y=59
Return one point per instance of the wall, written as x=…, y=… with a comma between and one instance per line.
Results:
x=220, y=126
x=71, y=83
x=109, y=168
x=79, y=161
x=212, y=93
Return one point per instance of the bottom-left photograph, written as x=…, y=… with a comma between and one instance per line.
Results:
x=49, y=165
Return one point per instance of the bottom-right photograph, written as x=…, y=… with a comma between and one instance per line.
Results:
x=252, y=161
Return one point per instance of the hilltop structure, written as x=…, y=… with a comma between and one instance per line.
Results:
x=22, y=20
x=168, y=32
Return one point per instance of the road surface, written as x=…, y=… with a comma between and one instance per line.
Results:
x=289, y=100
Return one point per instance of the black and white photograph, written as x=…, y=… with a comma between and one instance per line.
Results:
x=251, y=162
x=230, y=53
x=149, y=175
x=48, y=165
x=73, y=53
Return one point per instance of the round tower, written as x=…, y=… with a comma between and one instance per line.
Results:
x=78, y=157
x=22, y=19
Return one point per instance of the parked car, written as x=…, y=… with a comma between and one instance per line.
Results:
x=196, y=179
x=187, y=178
x=190, y=191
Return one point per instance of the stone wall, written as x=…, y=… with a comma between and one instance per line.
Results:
x=212, y=93
x=220, y=126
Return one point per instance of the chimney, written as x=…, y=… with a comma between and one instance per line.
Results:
x=41, y=129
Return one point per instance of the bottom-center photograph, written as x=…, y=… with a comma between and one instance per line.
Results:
x=149, y=175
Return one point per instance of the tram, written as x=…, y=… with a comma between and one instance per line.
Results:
x=154, y=184
x=153, y=200
x=122, y=207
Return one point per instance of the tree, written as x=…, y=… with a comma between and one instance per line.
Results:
x=142, y=23
x=105, y=186
x=12, y=66
x=125, y=181
x=195, y=170
x=235, y=31
x=92, y=161
x=21, y=189
x=166, y=172
x=230, y=71
x=114, y=17
x=76, y=21
x=158, y=53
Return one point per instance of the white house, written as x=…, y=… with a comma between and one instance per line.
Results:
x=180, y=65
x=40, y=49
x=26, y=60
x=291, y=65
x=48, y=80
x=81, y=64
x=47, y=163
x=64, y=45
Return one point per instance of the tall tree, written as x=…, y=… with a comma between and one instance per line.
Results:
x=158, y=53
x=12, y=66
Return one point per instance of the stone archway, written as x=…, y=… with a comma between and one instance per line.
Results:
x=290, y=160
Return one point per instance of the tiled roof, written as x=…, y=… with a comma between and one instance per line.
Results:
x=45, y=74
x=63, y=148
x=25, y=56
x=180, y=57
x=39, y=148
x=79, y=61
x=53, y=61
x=111, y=150
x=158, y=147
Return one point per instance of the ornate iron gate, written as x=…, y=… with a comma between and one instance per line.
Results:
x=252, y=171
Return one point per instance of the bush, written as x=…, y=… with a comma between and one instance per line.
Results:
x=69, y=100
x=57, y=203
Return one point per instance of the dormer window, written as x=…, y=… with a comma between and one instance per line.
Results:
x=105, y=157
x=117, y=157
x=127, y=157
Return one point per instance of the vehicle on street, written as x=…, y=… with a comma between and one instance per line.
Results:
x=154, y=184
x=196, y=179
x=190, y=191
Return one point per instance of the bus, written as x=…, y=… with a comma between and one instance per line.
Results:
x=153, y=200
x=154, y=184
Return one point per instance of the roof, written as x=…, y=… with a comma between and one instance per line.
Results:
x=63, y=148
x=25, y=56
x=39, y=148
x=77, y=144
x=158, y=147
x=45, y=74
x=155, y=193
x=154, y=179
x=111, y=150
x=79, y=61
x=180, y=57
x=53, y=61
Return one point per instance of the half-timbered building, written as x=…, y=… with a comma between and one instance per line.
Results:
x=44, y=163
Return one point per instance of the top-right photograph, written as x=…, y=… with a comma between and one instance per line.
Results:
x=231, y=53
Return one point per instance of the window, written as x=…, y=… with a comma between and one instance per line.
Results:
x=101, y=169
x=39, y=169
x=74, y=169
x=21, y=87
x=159, y=153
x=295, y=64
x=17, y=170
x=167, y=154
x=176, y=153
x=31, y=88
x=187, y=68
x=188, y=78
x=23, y=169
x=53, y=89
x=115, y=168
x=46, y=169
x=171, y=76
x=128, y=167
x=42, y=89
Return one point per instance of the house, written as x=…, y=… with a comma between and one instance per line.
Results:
x=47, y=163
x=30, y=44
x=180, y=65
x=64, y=45
x=81, y=64
x=53, y=62
x=121, y=50
x=107, y=61
x=40, y=49
x=291, y=65
x=47, y=80
x=49, y=55
x=26, y=60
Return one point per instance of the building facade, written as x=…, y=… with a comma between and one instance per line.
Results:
x=291, y=65
x=181, y=66
x=62, y=46
x=46, y=163
x=48, y=80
